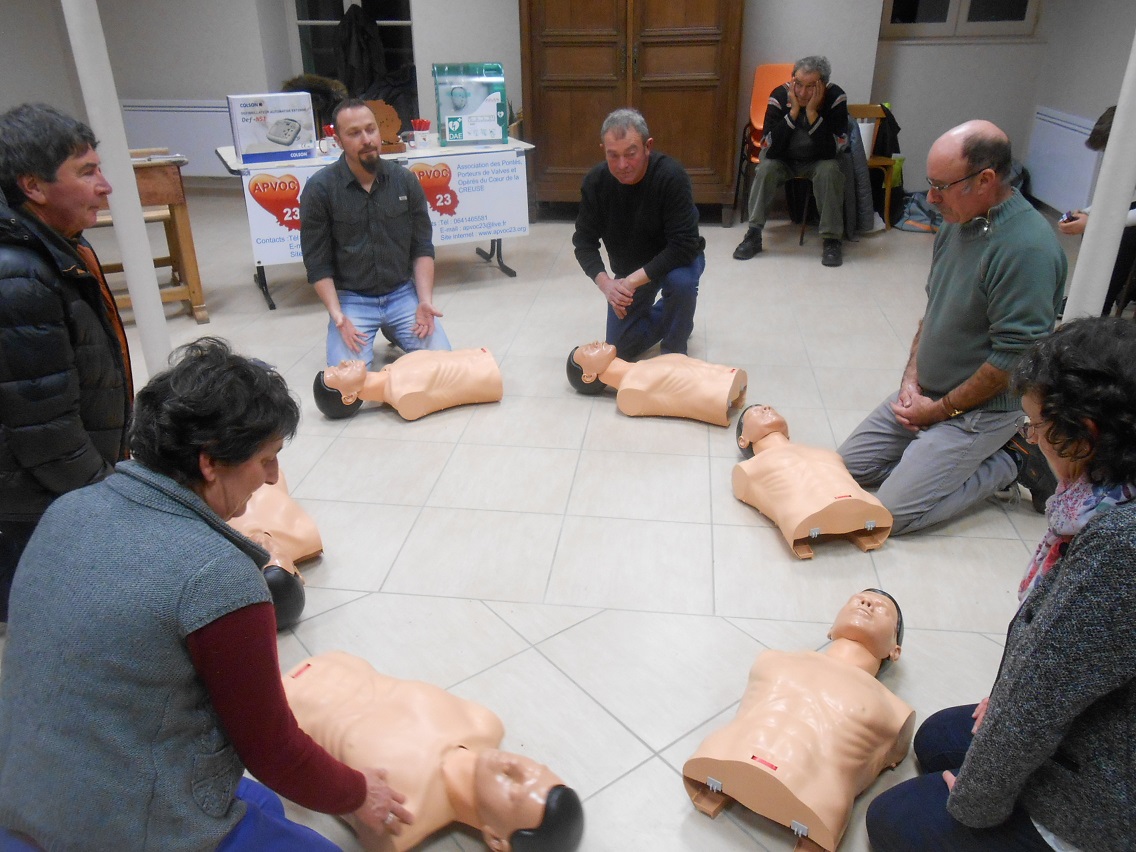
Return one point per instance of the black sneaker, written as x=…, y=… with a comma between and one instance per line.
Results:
x=749, y=246
x=832, y=254
x=1033, y=471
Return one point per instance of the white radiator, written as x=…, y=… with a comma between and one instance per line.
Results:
x=1062, y=170
x=194, y=129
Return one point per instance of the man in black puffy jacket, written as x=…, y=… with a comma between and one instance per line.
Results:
x=65, y=387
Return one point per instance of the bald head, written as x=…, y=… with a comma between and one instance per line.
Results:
x=968, y=168
x=980, y=144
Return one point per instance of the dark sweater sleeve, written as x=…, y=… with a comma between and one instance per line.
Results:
x=589, y=229
x=680, y=222
x=778, y=127
x=235, y=657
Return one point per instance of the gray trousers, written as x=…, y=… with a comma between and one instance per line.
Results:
x=828, y=189
x=929, y=476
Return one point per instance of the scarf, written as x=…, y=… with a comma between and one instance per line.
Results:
x=1068, y=510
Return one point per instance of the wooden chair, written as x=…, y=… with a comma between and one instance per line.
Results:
x=886, y=165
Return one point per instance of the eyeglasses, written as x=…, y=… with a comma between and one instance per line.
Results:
x=943, y=187
x=1026, y=429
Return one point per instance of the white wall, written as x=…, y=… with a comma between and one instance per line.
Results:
x=933, y=87
x=33, y=32
x=1075, y=62
x=163, y=49
x=468, y=31
x=1086, y=55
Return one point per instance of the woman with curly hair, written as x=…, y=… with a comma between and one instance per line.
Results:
x=140, y=673
x=1047, y=761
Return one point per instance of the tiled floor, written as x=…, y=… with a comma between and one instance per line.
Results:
x=590, y=576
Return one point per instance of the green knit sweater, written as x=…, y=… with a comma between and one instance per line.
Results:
x=994, y=288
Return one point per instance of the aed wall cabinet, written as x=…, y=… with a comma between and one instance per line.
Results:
x=472, y=108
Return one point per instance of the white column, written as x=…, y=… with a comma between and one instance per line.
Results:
x=1111, y=198
x=88, y=46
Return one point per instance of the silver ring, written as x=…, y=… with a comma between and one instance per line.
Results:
x=390, y=818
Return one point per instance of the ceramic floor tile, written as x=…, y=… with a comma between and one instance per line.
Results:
x=438, y=640
x=477, y=554
x=646, y=486
x=555, y=721
x=318, y=601
x=612, y=431
x=376, y=470
x=536, y=622
x=972, y=581
x=381, y=421
x=360, y=543
x=649, y=809
x=787, y=635
x=727, y=509
x=536, y=375
x=693, y=666
x=529, y=421
x=632, y=564
x=859, y=388
x=757, y=576
x=518, y=479
x=300, y=455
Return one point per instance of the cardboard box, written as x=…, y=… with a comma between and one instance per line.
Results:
x=273, y=127
x=472, y=108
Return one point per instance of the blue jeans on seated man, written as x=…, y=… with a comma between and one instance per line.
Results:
x=669, y=320
x=913, y=814
x=392, y=313
x=264, y=826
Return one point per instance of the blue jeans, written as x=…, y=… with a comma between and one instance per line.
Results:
x=670, y=319
x=929, y=476
x=393, y=313
x=913, y=814
x=263, y=826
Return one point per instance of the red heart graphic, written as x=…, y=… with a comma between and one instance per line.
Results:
x=435, y=180
x=280, y=196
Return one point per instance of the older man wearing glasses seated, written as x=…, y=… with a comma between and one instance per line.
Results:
x=806, y=126
x=946, y=439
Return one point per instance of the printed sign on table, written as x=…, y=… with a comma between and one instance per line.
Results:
x=475, y=197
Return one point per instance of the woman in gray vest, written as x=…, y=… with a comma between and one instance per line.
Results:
x=140, y=675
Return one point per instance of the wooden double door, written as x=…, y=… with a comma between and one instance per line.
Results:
x=676, y=61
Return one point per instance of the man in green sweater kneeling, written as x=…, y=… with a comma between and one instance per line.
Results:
x=938, y=445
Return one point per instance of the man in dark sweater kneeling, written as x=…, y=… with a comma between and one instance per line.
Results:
x=640, y=203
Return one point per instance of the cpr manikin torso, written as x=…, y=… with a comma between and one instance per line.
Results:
x=806, y=491
x=420, y=383
x=812, y=732
x=277, y=523
x=437, y=749
x=273, y=518
x=665, y=386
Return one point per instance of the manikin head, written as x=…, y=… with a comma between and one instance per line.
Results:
x=756, y=422
x=871, y=618
x=523, y=806
x=968, y=168
x=347, y=378
x=594, y=358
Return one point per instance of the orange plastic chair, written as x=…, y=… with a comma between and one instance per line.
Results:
x=870, y=112
x=766, y=78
